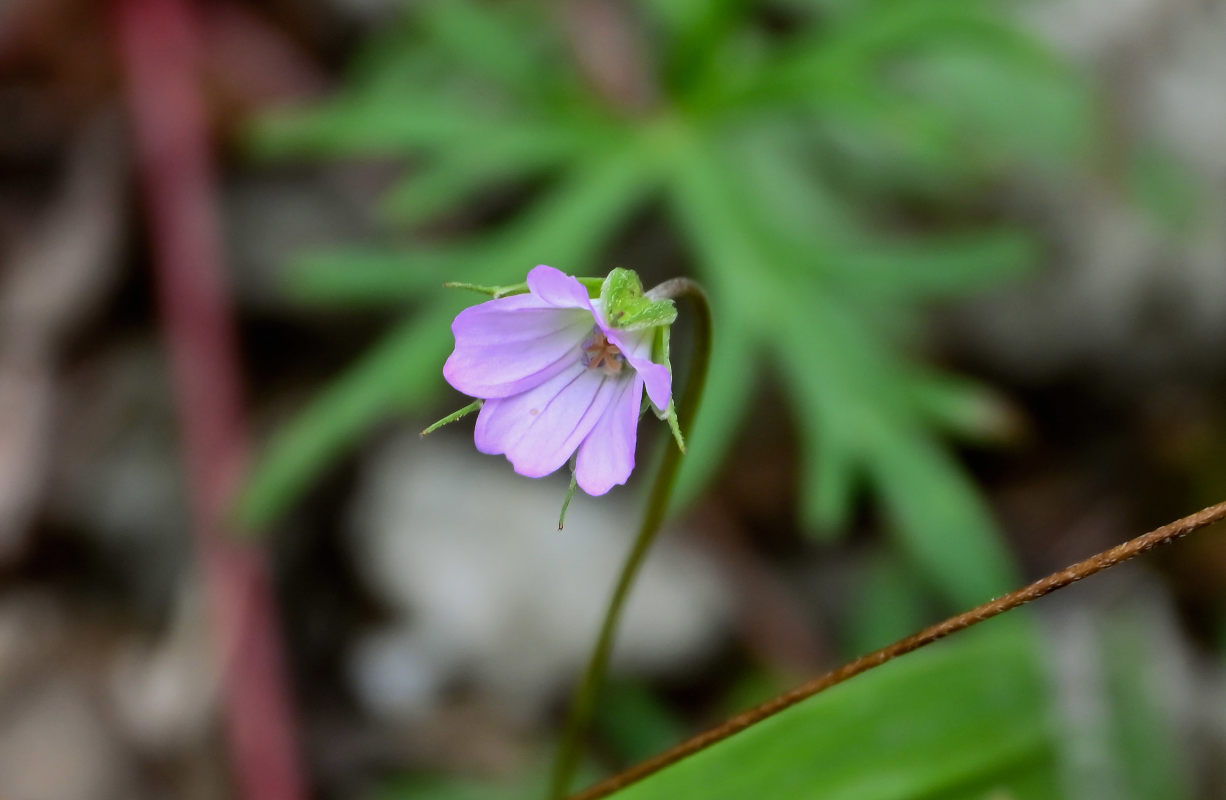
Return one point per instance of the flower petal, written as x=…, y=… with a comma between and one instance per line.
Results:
x=558, y=289
x=658, y=379
x=539, y=429
x=502, y=422
x=518, y=316
x=636, y=347
x=509, y=345
x=606, y=457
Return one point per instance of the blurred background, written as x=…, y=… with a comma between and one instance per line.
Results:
x=968, y=261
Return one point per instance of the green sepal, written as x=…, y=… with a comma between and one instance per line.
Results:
x=626, y=307
x=591, y=284
x=453, y=416
x=660, y=353
x=570, y=495
x=670, y=417
x=493, y=291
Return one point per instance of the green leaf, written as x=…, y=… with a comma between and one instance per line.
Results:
x=855, y=396
x=792, y=198
x=696, y=32
x=829, y=454
x=1043, y=120
x=883, y=31
x=566, y=228
x=635, y=722
x=966, y=718
x=490, y=41
x=438, y=787
x=965, y=408
x=368, y=276
x=528, y=784
x=731, y=386
x=452, y=178
x=823, y=58
x=571, y=224
x=740, y=276
x=970, y=718
x=911, y=94
x=1150, y=759
x=940, y=518
x=852, y=405
x=946, y=266
x=795, y=208
x=352, y=126
x=846, y=388
x=726, y=258
x=887, y=602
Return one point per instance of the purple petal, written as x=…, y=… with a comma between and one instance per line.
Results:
x=520, y=315
x=658, y=379
x=557, y=288
x=606, y=457
x=636, y=347
x=502, y=422
x=539, y=429
x=512, y=344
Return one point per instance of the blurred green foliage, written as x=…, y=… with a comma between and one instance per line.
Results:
x=966, y=719
x=979, y=717
x=822, y=162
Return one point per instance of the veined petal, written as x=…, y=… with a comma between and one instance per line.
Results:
x=606, y=456
x=502, y=423
x=658, y=379
x=518, y=317
x=509, y=345
x=539, y=429
x=636, y=347
x=558, y=289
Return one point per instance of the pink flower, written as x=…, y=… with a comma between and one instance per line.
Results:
x=557, y=380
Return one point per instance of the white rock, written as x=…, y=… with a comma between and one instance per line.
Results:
x=492, y=593
x=165, y=694
x=55, y=746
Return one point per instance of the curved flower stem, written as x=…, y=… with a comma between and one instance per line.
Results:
x=584, y=703
x=1057, y=580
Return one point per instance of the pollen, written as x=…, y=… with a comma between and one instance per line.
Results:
x=599, y=353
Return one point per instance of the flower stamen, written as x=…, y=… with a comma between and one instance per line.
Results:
x=599, y=353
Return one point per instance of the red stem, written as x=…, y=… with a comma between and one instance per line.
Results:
x=157, y=45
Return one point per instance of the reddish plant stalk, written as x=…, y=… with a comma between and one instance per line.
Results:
x=157, y=45
x=1057, y=580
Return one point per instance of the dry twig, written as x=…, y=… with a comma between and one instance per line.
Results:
x=1058, y=580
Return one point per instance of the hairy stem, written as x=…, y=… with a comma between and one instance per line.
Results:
x=584, y=704
x=1057, y=580
x=453, y=416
